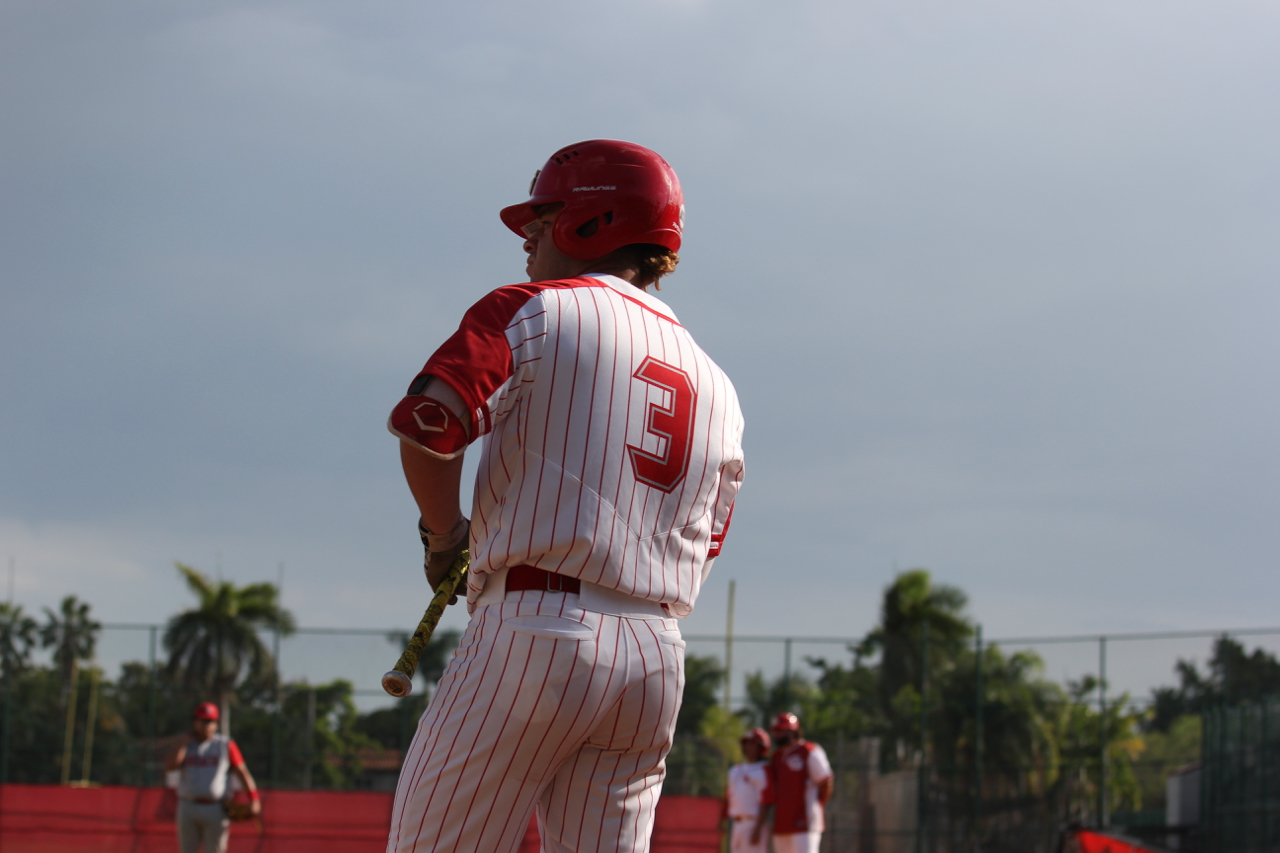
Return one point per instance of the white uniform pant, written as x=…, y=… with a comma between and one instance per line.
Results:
x=797, y=842
x=202, y=823
x=740, y=837
x=543, y=705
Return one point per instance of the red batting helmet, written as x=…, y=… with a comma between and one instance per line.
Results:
x=205, y=711
x=757, y=736
x=630, y=192
x=785, y=722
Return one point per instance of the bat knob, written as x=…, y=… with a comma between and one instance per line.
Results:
x=397, y=684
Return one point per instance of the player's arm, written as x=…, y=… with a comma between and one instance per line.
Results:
x=766, y=806
x=434, y=430
x=434, y=484
x=824, y=790
x=241, y=770
x=762, y=820
x=174, y=760
x=821, y=775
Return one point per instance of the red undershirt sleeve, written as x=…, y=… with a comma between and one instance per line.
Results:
x=233, y=754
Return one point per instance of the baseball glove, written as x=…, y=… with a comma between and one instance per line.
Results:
x=238, y=811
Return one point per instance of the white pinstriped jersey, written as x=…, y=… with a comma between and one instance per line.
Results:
x=614, y=447
x=747, y=788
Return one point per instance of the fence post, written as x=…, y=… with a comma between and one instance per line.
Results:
x=977, y=747
x=275, y=713
x=1263, y=808
x=786, y=674
x=1103, y=820
x=4, y=748
x=149, y=759
x=922, y=804
x=728, y=648
x=1208, y=731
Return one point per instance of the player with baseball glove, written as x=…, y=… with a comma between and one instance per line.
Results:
x=205, y=811
x=611, y=459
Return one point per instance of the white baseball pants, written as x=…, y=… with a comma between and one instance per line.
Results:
x=546, y=705
x=740, y=837
x=797, y=842
x=202, y=825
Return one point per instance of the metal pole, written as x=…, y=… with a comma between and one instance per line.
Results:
x=977, y=747
x=150, y=757
x=786, y=674
x=1103, y=819
x=922, y=806
x=728, y=646
x=8, y=710
x=275, y=714
x=1263, y=810
x=311, y=737
x=89, y=725
x=69, y=740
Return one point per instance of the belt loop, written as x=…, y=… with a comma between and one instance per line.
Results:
x=558, y=584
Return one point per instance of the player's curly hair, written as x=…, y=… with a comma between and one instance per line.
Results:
x=653, y=261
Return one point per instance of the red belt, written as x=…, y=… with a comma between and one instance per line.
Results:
x=529, y=577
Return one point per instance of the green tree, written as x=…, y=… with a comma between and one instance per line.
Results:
x=320, y=745
x=212, y=646
x=1079, y=730
x=18, y=635
x=1165, y=752
x=71, y=633
x=845, y=702
x=909, y=603
x=703, y=678
x=1020, y=757
x=768, y=698
x=393, y=727
x=1235, y=676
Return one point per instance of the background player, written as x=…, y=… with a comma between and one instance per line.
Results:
x=747, y=794
x=801, y=778
x=203, y=763
x=604, y=491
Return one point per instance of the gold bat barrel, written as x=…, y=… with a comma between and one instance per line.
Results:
x=399, y=681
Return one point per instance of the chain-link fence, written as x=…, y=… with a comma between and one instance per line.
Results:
x=1241, y=778
x=937, y=743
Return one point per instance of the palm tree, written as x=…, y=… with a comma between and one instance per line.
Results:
x=18, y=634
x=911, y=602
x=212, y=645
x=72, y=636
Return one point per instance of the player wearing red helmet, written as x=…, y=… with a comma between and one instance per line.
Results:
x=604, y=490
x=801, y=783
x=203, y=764
x=747, y=794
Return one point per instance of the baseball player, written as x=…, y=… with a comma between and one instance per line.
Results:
x=748, y=794
x=203, y=763
x=611, y=460
x=801, y=778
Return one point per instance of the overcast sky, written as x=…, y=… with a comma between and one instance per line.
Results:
x=996, y=282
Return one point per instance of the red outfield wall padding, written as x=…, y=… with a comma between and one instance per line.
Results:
x=53, y=819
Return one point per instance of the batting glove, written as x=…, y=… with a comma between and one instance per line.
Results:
x=442, y=549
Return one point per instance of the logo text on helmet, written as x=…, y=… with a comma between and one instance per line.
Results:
x=591, y=189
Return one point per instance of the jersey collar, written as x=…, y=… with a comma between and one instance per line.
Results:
x=632, y=292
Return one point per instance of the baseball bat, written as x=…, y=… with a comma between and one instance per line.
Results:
x=399, y=681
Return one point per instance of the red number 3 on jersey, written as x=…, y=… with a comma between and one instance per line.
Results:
x=673, y=424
